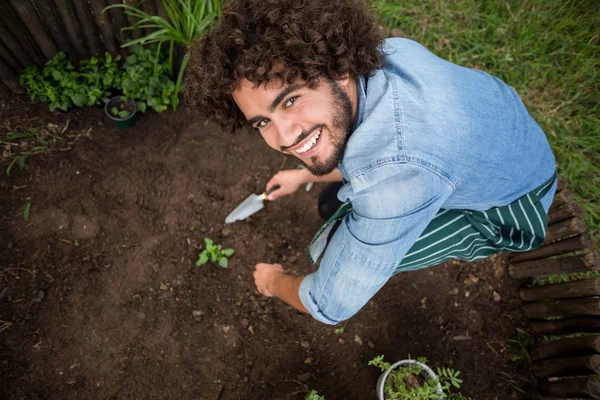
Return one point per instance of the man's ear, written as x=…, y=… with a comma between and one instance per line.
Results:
x=343, y=81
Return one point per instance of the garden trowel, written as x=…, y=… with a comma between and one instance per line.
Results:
x=253, y=204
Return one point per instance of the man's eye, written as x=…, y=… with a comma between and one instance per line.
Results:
x=290, y=101
x=262, y=123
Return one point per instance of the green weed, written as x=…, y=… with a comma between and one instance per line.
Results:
x=214, y=253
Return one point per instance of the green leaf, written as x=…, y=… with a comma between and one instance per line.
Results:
x=124, y=114
x=223, y=262
x=208, y=242
x=26, y=212
x=114, y=111
x=228, y=252
x=141, y=105
x=202, y=259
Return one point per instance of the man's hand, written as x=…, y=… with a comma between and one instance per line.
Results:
x=271, y=280
x=264, y=277
x=289, y=181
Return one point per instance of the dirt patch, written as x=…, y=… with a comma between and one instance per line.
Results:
x=100, y=296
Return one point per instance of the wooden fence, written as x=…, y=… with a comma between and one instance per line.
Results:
x=569, y=365
x=33, y=31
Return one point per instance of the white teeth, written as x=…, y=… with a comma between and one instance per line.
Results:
x=310, y=144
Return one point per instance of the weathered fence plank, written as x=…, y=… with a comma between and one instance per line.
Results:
x=563, y=308
x=105, y=24
x=561, y=184
x=18, y=39
x=554, y=348
x=88, y=27
x=119, y=20
x=566, y=228
x=561, y=198
x=551, y=266
x=582, y=288
x=161, y=10
x=562, y=213
x=9, y=59
x=564, y=326
x=148, y=8
x=13, y=47
x=54, y=25
x=580, y=242
x=67, y=14
x=9, y=78
x=569, y=388
x=34, y=24
x=132, y=20
x=566, y=366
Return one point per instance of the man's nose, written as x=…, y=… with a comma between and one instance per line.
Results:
x=288, y=132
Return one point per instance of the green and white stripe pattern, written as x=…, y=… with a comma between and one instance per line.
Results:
x=473, y=235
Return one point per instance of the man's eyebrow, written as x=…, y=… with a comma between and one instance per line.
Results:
x=281, y=95
x=275, y=102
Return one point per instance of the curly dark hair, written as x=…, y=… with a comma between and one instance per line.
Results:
x=262, y=40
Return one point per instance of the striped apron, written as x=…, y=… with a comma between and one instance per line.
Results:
x=463, y=234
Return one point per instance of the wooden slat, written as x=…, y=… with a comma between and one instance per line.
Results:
x=67, y=13
x=562, y=183
x=54, y=25
x=566, y=366
x=160, y=9
x=575, y=345
x=119, y=20
x=35, y=26
x=569, y=227
x=132, y=20
x=570, y=388
x=8, y=58
x=564, y=326
x=582, y=288
x=580, y=242
x=562, y=213
x=561, y=198
x=9, y=78
x=554, y=266
x=148, y=8
x=563, y=308
x=88, y=27
x=17, y=38
x=14, y=47
x=105, y=24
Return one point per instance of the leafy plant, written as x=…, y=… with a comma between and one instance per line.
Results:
x=186, y=21
x=62, y=86
x=145, y=79
x=407, y=383
x=214, y=253
x=314, y=395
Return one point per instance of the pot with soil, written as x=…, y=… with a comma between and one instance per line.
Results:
x=408, y=379
x=121, y=110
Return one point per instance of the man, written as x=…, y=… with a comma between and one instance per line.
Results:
x=437, y=161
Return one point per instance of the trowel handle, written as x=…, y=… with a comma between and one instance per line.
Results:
x=268, y=192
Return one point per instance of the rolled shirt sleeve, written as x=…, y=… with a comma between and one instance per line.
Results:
x=391, y=208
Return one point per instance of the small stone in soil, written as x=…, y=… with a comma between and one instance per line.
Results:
x=244, y=322
x=305, y=377
x=358, y=340
x=370, y=344
x=496, y=296
x=163, y=286
x=305, y=345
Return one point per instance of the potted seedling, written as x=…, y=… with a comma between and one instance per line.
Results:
x=414, y=380
x=122, y=110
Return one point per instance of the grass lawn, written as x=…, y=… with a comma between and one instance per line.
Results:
x=548, y=50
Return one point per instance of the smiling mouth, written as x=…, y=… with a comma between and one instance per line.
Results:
x=310, y=142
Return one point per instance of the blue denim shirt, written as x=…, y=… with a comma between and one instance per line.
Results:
x=428, y=134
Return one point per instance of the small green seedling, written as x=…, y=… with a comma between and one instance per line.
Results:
x=114, y=111
x=314, y=395
x=214, y=253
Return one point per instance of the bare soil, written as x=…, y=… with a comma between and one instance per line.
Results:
x=100, y=297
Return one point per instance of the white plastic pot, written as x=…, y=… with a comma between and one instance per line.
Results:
x=426, y=369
